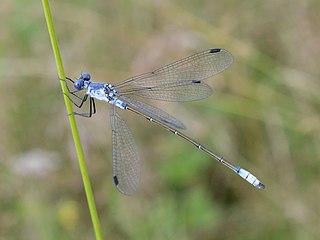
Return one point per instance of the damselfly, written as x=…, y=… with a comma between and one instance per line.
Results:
x=177, y=82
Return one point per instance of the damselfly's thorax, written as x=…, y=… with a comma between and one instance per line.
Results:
x=112, y=96
x=110, y=92
x=101, y=91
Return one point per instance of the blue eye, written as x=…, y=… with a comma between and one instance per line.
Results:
x=85, y=76
x=78, y=84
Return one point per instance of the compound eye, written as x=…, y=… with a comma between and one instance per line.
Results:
x=85, y=76
x=78, y=84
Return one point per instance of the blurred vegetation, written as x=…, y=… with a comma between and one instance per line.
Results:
x=264, y=115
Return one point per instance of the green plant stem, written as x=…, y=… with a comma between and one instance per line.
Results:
x=74, y=129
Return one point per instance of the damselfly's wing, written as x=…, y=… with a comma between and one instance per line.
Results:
x=125, y=157
x=174, y=92
x=154, y=112
x=181, y=80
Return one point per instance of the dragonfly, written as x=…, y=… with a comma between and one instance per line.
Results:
x=180, y=81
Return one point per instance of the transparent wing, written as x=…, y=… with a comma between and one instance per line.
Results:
x=183, y=75
x=125, y=157
x=174, y=92
x=154, y=112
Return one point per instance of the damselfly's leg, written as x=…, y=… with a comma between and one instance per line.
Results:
x=73, y=93
x=83, y=100
x=92, y=107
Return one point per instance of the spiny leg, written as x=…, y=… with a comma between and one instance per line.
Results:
x=92, y=108
x=73, y=93
x=93, y=105
x=69, y=90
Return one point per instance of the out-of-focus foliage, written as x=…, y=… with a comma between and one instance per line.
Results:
x=264, y=116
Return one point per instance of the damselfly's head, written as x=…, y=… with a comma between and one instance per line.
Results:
x=79, y=83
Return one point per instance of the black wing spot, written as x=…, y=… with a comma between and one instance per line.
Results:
x=196, y=81
x=214, y=50
x=116, y=181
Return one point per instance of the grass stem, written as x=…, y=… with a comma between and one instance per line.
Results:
x=74, y=129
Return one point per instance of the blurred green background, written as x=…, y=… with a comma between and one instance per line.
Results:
x=264, y=116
